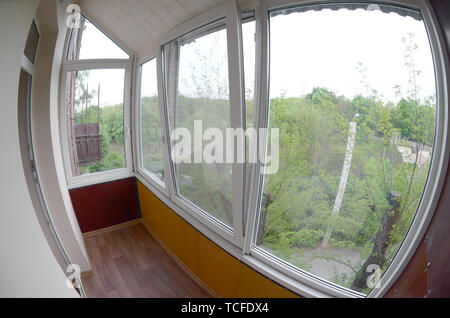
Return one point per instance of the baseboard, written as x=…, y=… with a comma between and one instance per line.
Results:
x=111, y=228
x=179, y=261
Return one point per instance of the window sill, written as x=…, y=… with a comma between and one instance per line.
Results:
x=97, y=178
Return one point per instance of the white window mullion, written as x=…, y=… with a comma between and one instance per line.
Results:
x=261, y=121
x=237, y=113
x=160, y=184
x=163, y=115
x=136, y=119
x=127, y=117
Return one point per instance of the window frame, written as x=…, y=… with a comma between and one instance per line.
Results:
x=149, y=177
x=230, y=12
x=96, y=64
x=275, y=269
x=249, y=15
x=306, y=283
x=113, y=39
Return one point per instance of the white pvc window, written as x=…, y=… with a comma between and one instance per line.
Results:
x=356, y=176
x=202, y=91
x=202, y=98
x=151, y=134
x=95, y=104
x=87, y=42
x=330, y=96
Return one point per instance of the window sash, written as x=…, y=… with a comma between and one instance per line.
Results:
x=139, y=156
x=104, y=176
x=70, y=34
x=430, y=193
x=274, y=268
x=200, y=26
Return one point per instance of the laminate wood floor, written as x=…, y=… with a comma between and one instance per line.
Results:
x=129, y=262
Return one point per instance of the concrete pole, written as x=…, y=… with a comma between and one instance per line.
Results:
x=344, y=178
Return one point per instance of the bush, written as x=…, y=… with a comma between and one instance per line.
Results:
x=115, y=160
x=305, y=238
x=342, y=244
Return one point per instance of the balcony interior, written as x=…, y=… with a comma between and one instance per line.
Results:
x=90, y=185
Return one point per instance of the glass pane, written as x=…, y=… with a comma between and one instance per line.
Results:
x=88, y=42
x=355, y=108
x=95, y=120
x=201, y=93
x=32, y=43
x=151, y=141
x=249, y=48
x=249, y=45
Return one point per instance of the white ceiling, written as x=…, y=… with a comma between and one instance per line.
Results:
x=137, y=23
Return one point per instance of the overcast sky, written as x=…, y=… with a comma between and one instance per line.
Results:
x=322, y=48
x=315, y=48
x=96, y=45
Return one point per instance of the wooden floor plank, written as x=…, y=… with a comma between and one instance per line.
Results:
x=128, y=262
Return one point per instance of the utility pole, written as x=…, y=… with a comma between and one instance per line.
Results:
x=344, y=178
x=98, y=101
x=86, y=110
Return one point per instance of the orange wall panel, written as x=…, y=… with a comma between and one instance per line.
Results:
x=223, y=273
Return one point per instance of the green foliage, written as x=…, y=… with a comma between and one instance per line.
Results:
x=299, y=198
x=305, y=238
x=111, y=118
x=114, y=160
x=150, y=123
x=112, y=134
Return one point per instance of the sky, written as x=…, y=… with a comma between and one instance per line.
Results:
x=310, y=49
x=111, y=83
x=149, y=79
x=323, y=48
x=96, y=45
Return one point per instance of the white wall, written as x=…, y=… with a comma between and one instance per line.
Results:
x=27, y=266
x=46, y=136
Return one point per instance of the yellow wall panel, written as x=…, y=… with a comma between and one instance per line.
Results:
x=216, y=268
x=224, y=274
x=253, y=284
